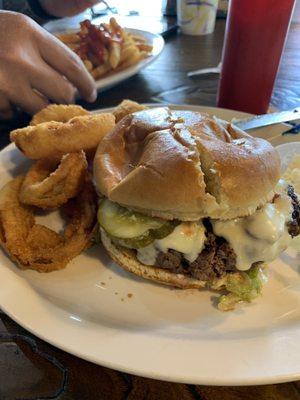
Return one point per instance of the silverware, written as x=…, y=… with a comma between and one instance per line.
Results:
x=203, y=71
x=267, y=119
x=293, y=131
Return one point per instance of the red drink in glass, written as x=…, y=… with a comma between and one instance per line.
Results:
x=255, y=34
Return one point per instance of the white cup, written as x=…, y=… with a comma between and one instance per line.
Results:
x=197, y=17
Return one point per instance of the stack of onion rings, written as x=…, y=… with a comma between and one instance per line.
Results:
x=58, y=138
x=37, y=247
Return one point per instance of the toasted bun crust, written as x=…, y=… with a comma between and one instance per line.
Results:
x=185, y=165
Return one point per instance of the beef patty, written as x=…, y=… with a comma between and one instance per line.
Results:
x=294, y=224
x=217, y=257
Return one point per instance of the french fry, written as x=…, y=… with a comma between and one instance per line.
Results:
x=105, y=55
x=107, y=27
x=129, y=52
x=128, y=42
x=114, y=54
x=88, y=65
x=72, y=46
x=145, y=47
x=124, y=35
x=132, y=60
x=69, y=37
x=100, y=71
x=144, y=54
x=138, y=39
x=114, y=25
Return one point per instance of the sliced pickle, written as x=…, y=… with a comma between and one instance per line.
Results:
x=165, y=230
x=135, y=243
x=148, y=237
x=123, y=223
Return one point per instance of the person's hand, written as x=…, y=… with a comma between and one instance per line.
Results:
x=35, y=67
x=66, y=8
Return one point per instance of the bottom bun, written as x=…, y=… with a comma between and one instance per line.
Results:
x=126, y=259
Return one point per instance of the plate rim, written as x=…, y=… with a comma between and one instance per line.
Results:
x=283, y=377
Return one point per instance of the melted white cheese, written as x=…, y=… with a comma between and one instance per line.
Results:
x=259, y=237
x=147, y=255
x=281, y=186
x=292, y=173
x=187, y=238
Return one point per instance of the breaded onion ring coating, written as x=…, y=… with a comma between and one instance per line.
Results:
x=59, y=113
x=47, y=185
x=127, y=107
x=54, y=139
x=37, y=247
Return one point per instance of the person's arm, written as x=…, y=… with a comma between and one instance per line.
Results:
x=36, y=67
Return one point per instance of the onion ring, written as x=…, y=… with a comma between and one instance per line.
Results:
x=59, y=113
x=46, y=189
x=54, y=139
x=127, y=107
x=37, y=247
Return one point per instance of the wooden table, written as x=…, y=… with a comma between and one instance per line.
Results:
x=32, y=369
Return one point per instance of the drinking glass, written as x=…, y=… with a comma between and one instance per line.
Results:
x=254, y=39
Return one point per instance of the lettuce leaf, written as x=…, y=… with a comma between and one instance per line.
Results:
x=241, y=286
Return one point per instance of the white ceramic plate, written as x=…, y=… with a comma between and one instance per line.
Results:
x=106, y=82
x=87, y=309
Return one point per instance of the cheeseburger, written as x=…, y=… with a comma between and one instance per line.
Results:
x=192, y=201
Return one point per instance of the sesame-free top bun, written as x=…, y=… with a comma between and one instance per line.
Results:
x=185, y=165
